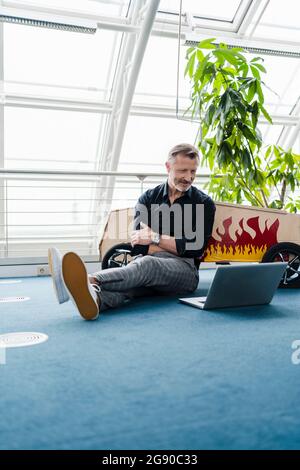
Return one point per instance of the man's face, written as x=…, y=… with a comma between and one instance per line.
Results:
x=182, y=172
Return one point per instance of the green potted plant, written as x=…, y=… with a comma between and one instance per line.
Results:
x=227, y=98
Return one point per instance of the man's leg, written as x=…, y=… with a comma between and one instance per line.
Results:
x=88, y=297
x=81, y=291
x=162, y=271
x=54, y=261
x=112, y=299
x=148, y=275
x=109, y=299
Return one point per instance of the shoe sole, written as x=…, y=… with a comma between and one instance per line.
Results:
x=59, y=288
x=76, y=281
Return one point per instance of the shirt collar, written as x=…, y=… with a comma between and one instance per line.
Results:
x=166, y=191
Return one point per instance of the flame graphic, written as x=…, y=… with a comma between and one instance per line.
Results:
x=245, y=247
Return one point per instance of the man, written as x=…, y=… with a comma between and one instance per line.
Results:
x=166, y=260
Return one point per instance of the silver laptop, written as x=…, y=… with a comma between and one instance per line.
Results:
x=240, y=286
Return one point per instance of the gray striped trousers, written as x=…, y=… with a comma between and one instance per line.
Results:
x=160, y=273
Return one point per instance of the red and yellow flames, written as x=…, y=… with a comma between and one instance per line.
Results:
x=245, y=247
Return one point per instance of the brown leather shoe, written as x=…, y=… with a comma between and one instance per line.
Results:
x=81, y=291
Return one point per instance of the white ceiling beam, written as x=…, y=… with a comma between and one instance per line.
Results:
x=289, y=134
x=257, y=19
x=293, y=136
x=257, y=45
x=163, y=28
x=132, y=80
x=144, y=15
x=253, y=9
x=105, y=107
x=46, y=20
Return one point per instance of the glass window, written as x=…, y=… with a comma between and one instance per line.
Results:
x=282, y=83
x=271, y=134
x=217, y=9
x=280, y=21
x=49, y=139
x=161, y=86
x=148, y=140
x=58, y=57
x=281, y=91
x=51, y=91
x=43, y=212
x=103, y=7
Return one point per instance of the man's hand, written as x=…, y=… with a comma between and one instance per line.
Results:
x=143, y=236
x=154, y=249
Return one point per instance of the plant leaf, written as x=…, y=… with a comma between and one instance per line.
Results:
x=266, y=114
x=207, y=44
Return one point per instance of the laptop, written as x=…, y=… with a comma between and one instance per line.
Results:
x=241, y=286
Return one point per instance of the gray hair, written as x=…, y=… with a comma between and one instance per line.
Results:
x=185, y=149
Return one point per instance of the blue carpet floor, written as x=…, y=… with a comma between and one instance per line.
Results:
x=154, y=374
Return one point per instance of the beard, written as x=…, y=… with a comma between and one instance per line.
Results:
x=182, y=185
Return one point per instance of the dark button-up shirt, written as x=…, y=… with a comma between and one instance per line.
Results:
x=160, y=195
